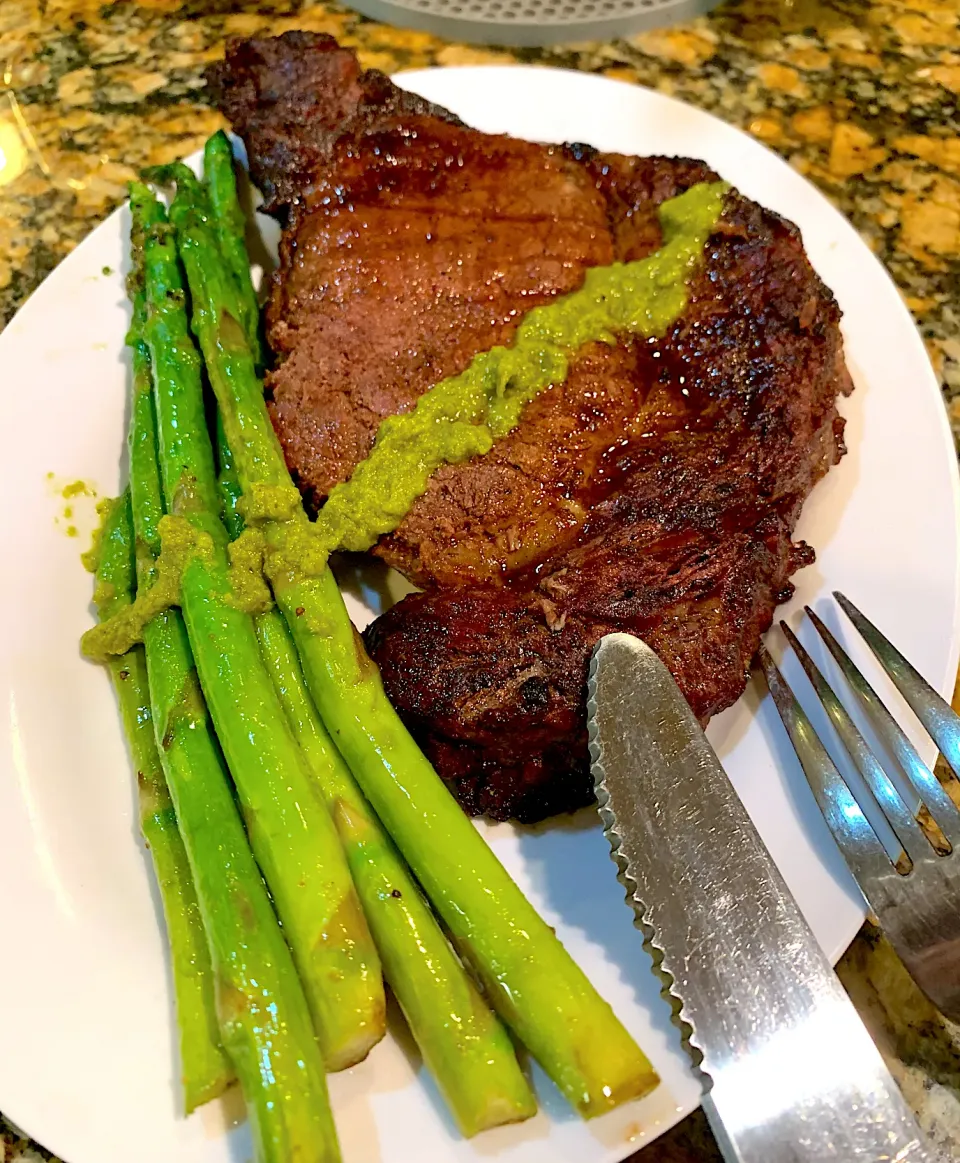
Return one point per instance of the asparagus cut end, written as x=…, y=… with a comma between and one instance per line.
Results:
x=354, y=1052
x=197, y=1093
x=639, y=1082
x=499, y=1111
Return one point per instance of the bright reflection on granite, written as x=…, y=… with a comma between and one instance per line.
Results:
x=14, y=155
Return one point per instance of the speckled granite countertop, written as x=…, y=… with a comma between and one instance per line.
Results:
x=862, y=97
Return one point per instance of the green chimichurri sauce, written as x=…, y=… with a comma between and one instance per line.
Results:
x=463, y=415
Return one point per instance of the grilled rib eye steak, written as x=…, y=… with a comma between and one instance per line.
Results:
x=655, y=491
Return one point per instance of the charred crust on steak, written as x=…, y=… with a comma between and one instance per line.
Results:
x=655, y=491
x=291, y=96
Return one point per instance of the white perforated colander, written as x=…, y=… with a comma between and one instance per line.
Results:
x=531, y=22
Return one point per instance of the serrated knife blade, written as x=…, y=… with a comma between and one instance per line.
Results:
x=790, y=1073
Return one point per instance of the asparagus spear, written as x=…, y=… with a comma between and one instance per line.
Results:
x=464, y=1046
x=290, y=828
x=205, y=1069
x=202, y=1055
x=263, y=1014
x=230, y=223
x=533, y=982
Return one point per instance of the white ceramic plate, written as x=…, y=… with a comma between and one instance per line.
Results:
x=88, y=1064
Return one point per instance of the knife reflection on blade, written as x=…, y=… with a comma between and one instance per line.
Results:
x=790, y=1074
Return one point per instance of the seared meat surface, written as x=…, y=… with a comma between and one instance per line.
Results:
x=655, y=491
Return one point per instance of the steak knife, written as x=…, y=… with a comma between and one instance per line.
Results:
x=790, y=1073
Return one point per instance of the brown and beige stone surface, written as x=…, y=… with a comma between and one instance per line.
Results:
x=860, y=96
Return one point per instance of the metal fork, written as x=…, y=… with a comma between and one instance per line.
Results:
x=915, y=893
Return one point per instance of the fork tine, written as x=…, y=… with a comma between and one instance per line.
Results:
x=899, y=816
x=926, y=784
x=865, y=855
x=940, y=720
